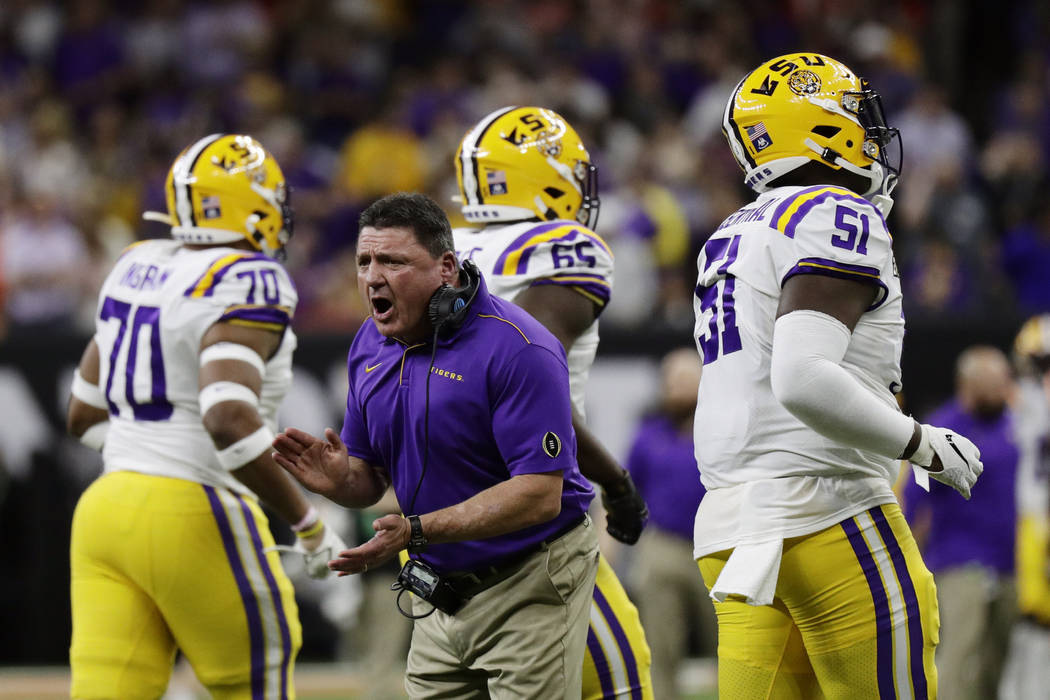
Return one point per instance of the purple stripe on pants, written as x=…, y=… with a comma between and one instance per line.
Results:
x=601, y=664
x=251, y=606
x=623, y=642
x=275, y=595
x=911, y=603
x=883, y=621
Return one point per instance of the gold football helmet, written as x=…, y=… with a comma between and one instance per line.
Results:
x=526, y=162
x=805, y=107
x=225, y=188
x=1032, y=346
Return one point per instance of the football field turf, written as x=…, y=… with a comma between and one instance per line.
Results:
x=313, y=682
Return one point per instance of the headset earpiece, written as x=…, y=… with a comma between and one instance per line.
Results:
x=448, y=306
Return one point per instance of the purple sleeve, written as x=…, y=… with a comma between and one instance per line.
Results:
x=532, y=413
x=355, y=431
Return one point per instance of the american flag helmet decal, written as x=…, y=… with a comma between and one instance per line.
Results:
x=759, y=136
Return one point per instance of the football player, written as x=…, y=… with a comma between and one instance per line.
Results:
x=179, y=388
x=527, y=183
x=818, y=583
x=1026, y=673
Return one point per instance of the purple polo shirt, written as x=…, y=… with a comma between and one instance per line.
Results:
x=981, y=530
x=499, y=407
x=663, y=466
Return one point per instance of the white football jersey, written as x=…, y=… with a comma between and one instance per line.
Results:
x=154, y=308
x=748, y=446
x=514, y=257
x=1032, y=424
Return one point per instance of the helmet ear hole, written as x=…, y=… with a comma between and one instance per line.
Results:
x=826, y=130
x=554, y=192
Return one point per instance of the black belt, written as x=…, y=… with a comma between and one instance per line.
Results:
x=468, y=584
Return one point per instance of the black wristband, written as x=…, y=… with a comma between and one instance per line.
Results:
x=417, y=541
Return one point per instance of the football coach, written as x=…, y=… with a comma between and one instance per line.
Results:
x=461, y=400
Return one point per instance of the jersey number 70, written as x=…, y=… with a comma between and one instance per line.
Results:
x=157, y=407
x=717, y=298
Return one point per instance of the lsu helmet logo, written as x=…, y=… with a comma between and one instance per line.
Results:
x=804, y=82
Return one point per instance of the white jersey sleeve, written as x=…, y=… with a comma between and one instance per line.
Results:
x=154, y=309
x=519, y=256
x=835, y=233
x=515, y=257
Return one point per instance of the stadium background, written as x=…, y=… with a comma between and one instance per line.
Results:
x=357, y=99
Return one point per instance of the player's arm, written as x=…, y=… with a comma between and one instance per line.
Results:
x=815, y=318
x=567, y=314
x=231, y=372
x=87, y=415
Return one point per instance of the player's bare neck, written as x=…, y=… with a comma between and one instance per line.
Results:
x=814, y=173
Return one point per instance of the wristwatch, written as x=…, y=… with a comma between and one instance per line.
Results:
x=417, y=541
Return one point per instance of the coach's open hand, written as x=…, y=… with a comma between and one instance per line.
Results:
x=319, y=465
x=392, y=534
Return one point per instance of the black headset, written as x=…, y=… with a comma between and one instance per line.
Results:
x=448, y=306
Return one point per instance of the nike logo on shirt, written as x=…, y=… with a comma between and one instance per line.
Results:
x=369, y=369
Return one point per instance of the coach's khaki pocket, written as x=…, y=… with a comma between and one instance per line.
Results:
x=567, y=561
x=563, y=573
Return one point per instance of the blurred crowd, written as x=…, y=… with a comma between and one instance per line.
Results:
x=359, y=98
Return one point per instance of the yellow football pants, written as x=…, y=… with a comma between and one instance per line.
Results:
x=854, y=616
x=159, y=564
x=1033, y=563
x=617, y=661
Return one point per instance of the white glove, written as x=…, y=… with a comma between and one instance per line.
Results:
x=960, y=458
x=316, y=551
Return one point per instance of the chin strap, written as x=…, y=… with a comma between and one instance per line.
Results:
x=882, y=202
x=881, y=182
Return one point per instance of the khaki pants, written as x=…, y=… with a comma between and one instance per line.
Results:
x=672, y=599
x=523, y=638
x=978, y=608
